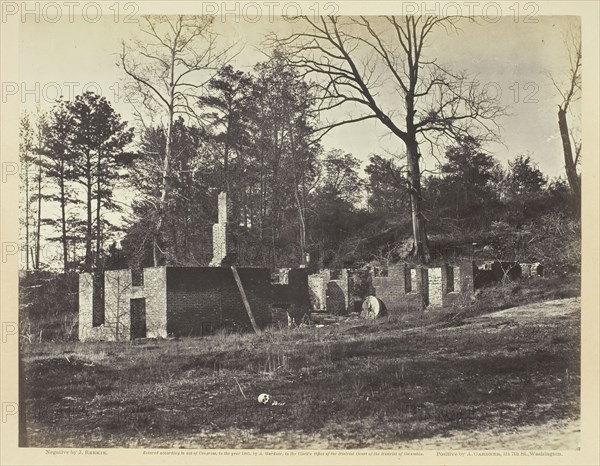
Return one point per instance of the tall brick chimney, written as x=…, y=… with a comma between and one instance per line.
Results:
x=220, y=233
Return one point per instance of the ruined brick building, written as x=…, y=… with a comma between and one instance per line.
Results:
x=157, y=302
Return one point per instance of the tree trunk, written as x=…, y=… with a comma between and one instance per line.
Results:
x=226, y=154
x=39, y=214
x=98, y=223
x=186, y=236
x=420, y=243
x=63, y=221
x=154, y=251
x=88, y=234
x=167, y=159
x=164, y=188
x=261, y=218
x=570, y=167
x=89, y=221
x=243, y=191
x=302, y=224
x=299, y=206
x=421, y=246
x=27, y=199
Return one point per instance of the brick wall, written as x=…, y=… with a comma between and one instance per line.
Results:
x=116, y=307
x=154, y=291
x=404, y=287
x=532, y=269
x=490, y=272
x=256, y=283
x=86, y=296
x=219, y=238
x=391, y=288
x=200, y=299
x=434, y=287
x=359, y=287
x=222, y=208
x=118, y=292
x=181, y=300
x=316, y=288
x=294, y=294
x=330, y=290
x=462, y=280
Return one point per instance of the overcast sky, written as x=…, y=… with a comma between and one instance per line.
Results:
x=513, y=58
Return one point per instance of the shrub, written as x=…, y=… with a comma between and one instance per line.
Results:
x=48, y=306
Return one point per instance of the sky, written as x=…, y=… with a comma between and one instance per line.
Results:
x=512, y=58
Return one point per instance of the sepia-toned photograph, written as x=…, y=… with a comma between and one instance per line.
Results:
x=296, y=229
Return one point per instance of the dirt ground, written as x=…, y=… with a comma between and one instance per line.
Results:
x=554, y=435
x=517, y=369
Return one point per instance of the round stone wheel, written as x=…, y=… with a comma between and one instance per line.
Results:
x=372, y=308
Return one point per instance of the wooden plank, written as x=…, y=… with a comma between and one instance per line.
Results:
x=244, y=298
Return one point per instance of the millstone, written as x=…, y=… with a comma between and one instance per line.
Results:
x=372, y=308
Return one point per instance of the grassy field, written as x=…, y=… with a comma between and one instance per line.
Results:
x=389, y=383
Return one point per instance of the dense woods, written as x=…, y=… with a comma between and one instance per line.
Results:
x=114, y=194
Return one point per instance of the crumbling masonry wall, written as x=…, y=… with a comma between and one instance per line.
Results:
x=329, y=290
x=316, y=291
x=154, y=291
x=457, y=283
x=434, y=295
x=203, y=299
x=403, y=288
x=220, y=236
x=117, y=303
x=89, y=329
x=337, y=296
x=399, y=287
x=119, y=290
x=86, y=303
x=491, y=272
x=531, y=269
x=290, y=293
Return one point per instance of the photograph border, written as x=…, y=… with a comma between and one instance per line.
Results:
x=9, y=213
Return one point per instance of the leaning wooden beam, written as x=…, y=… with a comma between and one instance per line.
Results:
x=244, y=298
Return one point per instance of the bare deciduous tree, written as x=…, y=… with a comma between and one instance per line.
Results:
x=377, y=68
x=30, y=148
x=168, y=71
x=570, y=92
x=26, y=135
